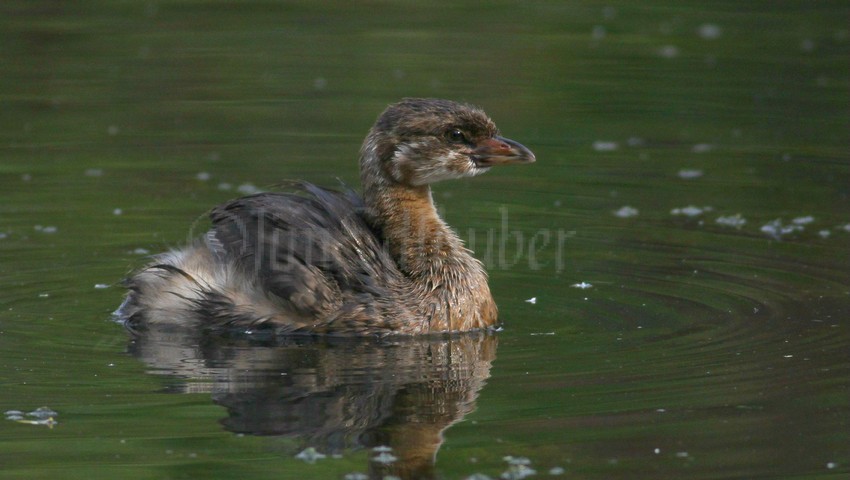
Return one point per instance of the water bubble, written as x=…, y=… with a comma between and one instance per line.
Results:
x=702, y=148
x=117, y=211
x=803, y=220
x=94, y=172
x=203, y=176
x=225, y=186
x=532, y=300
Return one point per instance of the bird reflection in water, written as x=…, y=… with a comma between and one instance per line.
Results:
x=333, y=394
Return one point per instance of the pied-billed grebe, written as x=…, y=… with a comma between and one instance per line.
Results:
x=329, y=262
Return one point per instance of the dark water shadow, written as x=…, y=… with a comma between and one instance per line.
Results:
x=332, y=394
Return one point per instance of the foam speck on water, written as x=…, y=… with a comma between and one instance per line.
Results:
x=690, y=211
x=709, y=31
x=688, y=174
x=736, y=221
x=626, y=212
x=668, y=51
x=605, y=146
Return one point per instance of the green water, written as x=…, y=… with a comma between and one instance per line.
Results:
x=702, y=350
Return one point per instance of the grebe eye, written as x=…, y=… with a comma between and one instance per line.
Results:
x=456, y=136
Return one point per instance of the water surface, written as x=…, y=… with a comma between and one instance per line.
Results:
x=673, y=273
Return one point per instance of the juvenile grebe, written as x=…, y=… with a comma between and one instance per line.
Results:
x=329, y=262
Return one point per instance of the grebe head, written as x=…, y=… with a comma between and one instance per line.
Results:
x=419, y=141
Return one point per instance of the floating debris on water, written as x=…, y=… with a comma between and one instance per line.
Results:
x=535, y=334
x=824, y=233
x=635, y=142
x=310, y=455
x=709, y=31
x=356, y=476
x=582, y=285
x=605, y=146
x=478, y=476
x=518, y=472
x=776, y=229
x=668, y=51
x=736, y=220
x=248, y=189
x=225, y=186
x=94, y=172
x=41, y=415
x=101, y=286
x=599, y=32
x=117, y=211
x=556, y=471
x=626, y=212
x=384, y=458
x=690, y=211
x=47, y=229
x=3, y=235
x=203, y=176
x=702, y=148
x=532, y=300
x=688, y=174
x=43, y=412
x=803, y=220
